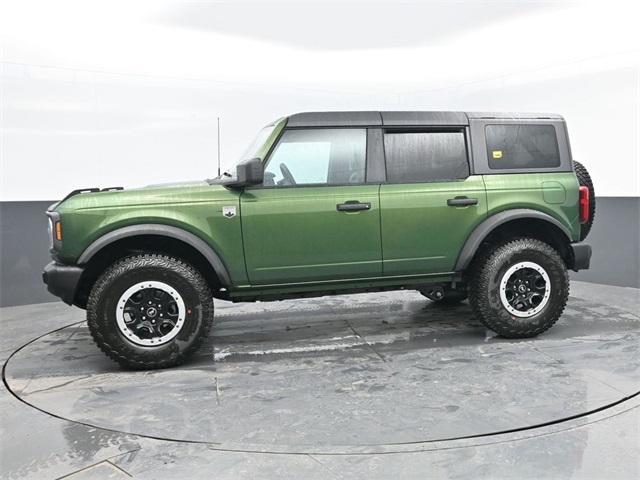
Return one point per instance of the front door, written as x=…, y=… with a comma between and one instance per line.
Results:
x=430, y=204
x=314, y=218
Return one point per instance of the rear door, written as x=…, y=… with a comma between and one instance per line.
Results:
x=315, y=218
x=430, y=203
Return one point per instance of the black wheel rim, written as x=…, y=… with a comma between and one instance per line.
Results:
x=525, y=289
x=150, y=313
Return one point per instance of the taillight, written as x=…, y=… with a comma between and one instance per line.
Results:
x=584, y=204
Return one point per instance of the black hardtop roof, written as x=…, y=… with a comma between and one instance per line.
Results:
x=354, y=119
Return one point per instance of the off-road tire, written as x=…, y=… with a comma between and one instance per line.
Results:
x=484, y=287
x=585, y=181
x=185, y=279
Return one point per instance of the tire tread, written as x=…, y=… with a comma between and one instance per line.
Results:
x=481, y=273
x=137, y=361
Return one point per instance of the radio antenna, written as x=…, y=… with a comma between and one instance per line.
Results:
x=218, y=146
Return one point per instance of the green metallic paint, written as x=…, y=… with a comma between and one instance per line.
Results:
x=294, y=240
x=296, y=233
x=193, y=206
x=528, y=190
x=554, y=192
x=420, y=232
x=196, y=208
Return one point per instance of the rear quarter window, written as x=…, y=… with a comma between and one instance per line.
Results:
x=522, y=146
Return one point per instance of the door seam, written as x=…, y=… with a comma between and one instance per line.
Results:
x=380, y=230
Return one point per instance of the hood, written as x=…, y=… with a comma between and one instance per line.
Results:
x=186, y=183
x=168, y=193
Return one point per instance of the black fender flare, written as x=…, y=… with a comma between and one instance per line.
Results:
x=487, y=226
x=160, y=230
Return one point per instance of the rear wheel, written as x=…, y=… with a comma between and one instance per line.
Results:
x=519, y=289
x=150, y=311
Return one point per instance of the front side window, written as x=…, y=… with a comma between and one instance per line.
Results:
x=425, y=156
x=329, y=156
x=522, y=146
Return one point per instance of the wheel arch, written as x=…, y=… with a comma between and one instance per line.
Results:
x=523, y=221
x=164, y=239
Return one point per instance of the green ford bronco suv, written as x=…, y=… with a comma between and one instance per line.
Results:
x=489, y=206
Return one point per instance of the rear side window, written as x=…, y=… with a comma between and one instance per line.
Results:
x=414, y=157
x=522, y=146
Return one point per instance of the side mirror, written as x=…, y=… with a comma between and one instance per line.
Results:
x=248, y=172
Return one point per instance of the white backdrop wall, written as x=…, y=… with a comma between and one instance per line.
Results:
x=105, y=94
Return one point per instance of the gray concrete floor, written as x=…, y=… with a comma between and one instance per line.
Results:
x=363, y=386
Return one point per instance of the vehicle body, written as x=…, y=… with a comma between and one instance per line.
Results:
x=343, y=202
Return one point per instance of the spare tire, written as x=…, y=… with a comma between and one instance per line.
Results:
x=585, y=181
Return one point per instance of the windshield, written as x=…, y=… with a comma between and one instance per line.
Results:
x=255, y=146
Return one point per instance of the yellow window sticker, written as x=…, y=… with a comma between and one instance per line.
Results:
x=497, y=154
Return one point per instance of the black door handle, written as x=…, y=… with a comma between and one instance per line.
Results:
x=353, y=206
x=462, y=201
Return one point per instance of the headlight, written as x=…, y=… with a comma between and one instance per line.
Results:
x=54, y=227
x=50, y=231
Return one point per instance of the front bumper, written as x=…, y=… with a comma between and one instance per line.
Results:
x=62, y=280
x=581, y=256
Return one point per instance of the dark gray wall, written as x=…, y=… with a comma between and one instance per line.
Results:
x=24, y=248
x=615, y=238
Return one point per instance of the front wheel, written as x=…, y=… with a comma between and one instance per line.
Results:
x=150, y=311
x=520, y=288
